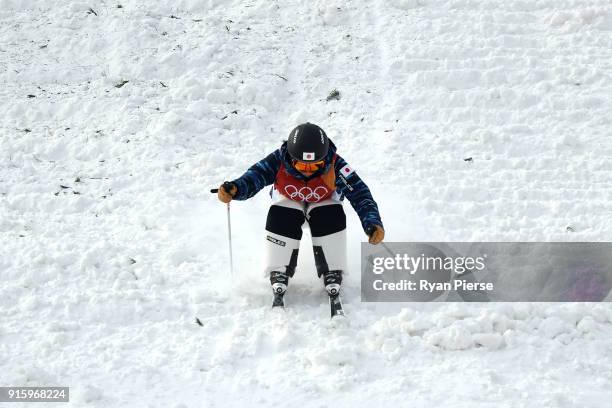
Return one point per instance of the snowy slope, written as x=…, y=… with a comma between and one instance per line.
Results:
x=110, y=243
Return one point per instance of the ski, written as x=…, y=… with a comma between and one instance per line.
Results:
x=335, y=305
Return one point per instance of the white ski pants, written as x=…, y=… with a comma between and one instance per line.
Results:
x=327, y=222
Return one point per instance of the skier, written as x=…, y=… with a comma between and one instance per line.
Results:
x=309, y=181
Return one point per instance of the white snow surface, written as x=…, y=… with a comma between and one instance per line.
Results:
x=111, y=244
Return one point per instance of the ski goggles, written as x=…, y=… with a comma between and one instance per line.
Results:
x=308, y=166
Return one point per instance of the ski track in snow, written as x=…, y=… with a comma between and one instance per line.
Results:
x=101, y=279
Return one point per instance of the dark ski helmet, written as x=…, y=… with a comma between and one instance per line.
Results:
x=307, y=143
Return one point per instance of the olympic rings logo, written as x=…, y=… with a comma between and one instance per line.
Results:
x=306, y=193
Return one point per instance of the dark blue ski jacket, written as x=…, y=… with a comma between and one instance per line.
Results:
x=263, y=173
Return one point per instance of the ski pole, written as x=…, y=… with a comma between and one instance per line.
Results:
x=229, y=230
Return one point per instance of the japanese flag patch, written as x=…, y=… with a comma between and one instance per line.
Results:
x=308, y=156
x=347, y=170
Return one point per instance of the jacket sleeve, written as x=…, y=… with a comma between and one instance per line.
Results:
x=259, y=175
x=349, y=184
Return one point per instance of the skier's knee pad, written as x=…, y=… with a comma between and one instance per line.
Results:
x=285, y=221
x=326, y=219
